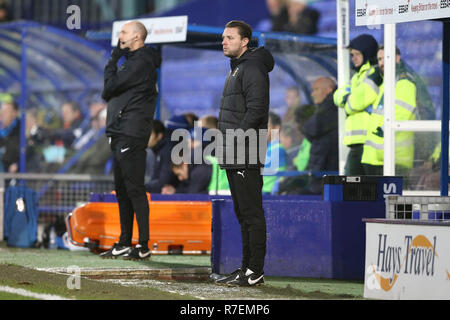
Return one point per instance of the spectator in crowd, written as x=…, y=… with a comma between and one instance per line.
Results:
x=49, y=118
x=94, y=159
x=296, y=185
x=71, y=121
x=197, y=138
x=357, y=98
x=172, y=124
x=4, y=12
x=35, y=159
x=191, y=118
x=302, y=114
x=428, y=175
x=274, y=149
x=160, y=172
x=72, y=118
x=9, y=134
x=321, y=129
x=176, y=122
x=58, y=142
x=293, y=101
x=405, y=109
x=290, y=141
x=96, y=125
x=301, y=18
x=194, y=178
x=278, y=14
x=219, y=180
x=209, y=122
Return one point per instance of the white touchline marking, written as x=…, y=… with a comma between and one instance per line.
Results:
x=26, y=293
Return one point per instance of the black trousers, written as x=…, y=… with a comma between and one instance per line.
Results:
x=246, y=191
x=129, y=175
x=371, y=170
x=353, y=165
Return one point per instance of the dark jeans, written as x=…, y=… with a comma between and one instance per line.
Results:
x=371, y=170
x=129, y=174
x=246, y=191
x=353, y=166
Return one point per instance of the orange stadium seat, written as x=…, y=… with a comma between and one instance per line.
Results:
x=175, y=226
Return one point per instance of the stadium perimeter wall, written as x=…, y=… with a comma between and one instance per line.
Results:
x=305, y=238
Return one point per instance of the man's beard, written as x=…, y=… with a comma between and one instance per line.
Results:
x=232, y=54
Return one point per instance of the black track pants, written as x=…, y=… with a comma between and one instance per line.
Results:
x=246, y=191
x=129, y=172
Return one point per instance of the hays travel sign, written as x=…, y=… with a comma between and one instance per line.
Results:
x=407, y=261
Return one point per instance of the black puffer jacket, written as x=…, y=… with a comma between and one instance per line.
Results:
x=245, y=105
x=131, y=93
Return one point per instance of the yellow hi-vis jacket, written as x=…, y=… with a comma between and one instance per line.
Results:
x=357, y=100
x=405, y=109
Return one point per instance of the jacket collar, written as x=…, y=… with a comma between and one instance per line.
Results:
x=366, y=66
x=235, y=62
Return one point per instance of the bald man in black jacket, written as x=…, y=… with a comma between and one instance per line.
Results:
x=131, y=92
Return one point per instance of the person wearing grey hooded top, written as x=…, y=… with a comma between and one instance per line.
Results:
x=245, y=106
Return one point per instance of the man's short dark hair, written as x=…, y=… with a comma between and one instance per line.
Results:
x=244, y=29
x=275, y=119
x=74, y=106
x=397, y=50
x=158, y=127
x=210, y=122
x=289, y=130
x=174, y=165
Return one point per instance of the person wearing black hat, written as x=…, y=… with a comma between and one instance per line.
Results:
x=357, y=98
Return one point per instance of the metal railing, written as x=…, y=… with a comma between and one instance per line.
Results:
x=434, y=208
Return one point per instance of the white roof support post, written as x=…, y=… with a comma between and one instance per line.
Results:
x=389, y=99
x=343, y=70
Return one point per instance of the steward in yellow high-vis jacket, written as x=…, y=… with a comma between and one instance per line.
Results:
x=405, y=109
x=357, y=99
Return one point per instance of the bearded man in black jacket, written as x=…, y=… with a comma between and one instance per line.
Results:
x=131, y=93
x=244, y=112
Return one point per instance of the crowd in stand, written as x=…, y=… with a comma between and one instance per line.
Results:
x=294, y=16
x=304, y=137
x=52, y=139
x=305, y=140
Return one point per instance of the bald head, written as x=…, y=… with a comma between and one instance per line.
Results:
x=140, y=29
x=132, y=35
x=321, y=88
